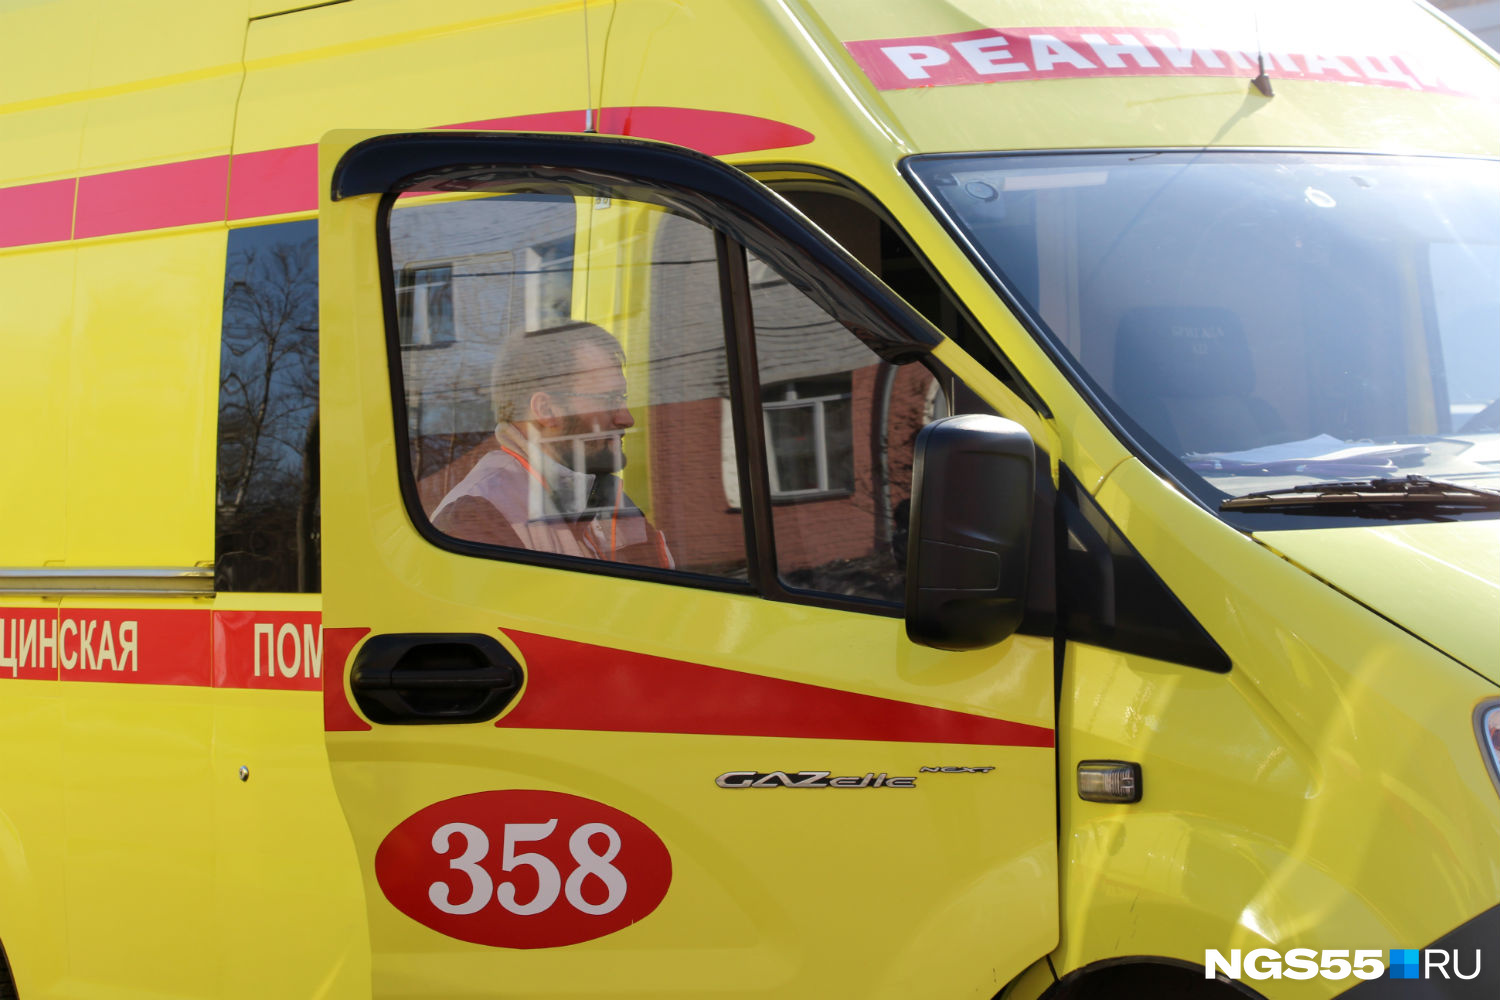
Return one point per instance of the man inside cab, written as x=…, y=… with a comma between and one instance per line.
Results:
x=548, y=479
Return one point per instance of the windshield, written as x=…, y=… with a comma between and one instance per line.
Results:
x=1267, y=319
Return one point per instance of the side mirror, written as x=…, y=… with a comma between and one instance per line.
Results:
x=973, y=484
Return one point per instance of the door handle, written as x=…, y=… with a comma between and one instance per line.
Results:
x=417, y=678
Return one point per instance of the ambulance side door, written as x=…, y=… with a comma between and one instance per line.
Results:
x=618, y=453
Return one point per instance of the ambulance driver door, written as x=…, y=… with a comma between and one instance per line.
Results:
x=617, y=454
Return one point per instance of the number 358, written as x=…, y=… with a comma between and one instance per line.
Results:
x=523, y=868
x=475, y=847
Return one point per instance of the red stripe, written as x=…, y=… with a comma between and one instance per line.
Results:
x=37, y=213
x=140, y=646
x=717, y=133
x=28, y=644
x=279, y=181
x=569, y=685
x=338, y=715
x=274, y=181
x=170, y=194
x=577, y=686
x=1008, y=55
x=270, y=650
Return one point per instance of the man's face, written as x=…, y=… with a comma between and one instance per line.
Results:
x=592, y=415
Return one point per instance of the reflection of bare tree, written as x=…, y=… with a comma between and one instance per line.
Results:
x=268, y=398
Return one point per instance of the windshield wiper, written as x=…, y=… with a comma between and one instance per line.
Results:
x=1409, y=491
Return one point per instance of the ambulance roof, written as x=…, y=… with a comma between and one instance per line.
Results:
x=1039, y=74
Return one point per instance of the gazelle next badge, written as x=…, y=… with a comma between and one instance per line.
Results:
x=827, y=779
x=810, y=779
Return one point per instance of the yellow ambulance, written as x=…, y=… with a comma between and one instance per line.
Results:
x=727, y=498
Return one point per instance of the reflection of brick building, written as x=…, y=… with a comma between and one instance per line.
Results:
x=816, y=532
x=839, y=424
x=885, y=426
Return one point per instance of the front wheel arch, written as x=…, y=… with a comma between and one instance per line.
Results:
x=1145, y=978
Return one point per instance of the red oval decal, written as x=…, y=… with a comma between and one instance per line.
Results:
x=523, y=868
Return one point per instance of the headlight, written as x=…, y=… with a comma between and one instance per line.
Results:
x=1487, y=727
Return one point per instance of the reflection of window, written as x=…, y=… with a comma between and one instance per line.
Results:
x=809, y=437
x=424, y=305
x=549, y=283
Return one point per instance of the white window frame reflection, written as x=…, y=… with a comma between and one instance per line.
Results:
x=819, y=406
x=541, y=504
x=547, y=289
x=418, y=330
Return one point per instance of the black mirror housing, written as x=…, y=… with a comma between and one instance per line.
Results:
x=973, y=489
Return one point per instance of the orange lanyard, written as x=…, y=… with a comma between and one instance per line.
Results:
x=525, y=465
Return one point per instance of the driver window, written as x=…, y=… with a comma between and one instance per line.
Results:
x=554, y=405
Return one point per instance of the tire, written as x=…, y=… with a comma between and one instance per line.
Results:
x=7, y=983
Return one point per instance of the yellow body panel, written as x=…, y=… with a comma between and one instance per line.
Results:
x=1335, y=744
x=286, y=880
x=1326, y=793
x=136, y=860
x=1432, y=580
x=33, y=857
x=128, y=869
x=393, y=63
x=115, y=396
x=37, y=363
